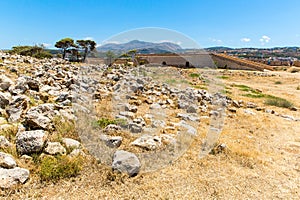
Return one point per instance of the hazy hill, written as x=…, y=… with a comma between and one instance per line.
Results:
x=141, y=46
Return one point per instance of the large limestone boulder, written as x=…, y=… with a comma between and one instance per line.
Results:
x=29, y=142
x=126, y=162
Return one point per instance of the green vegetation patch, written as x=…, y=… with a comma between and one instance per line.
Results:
x=269, y=99
x=223, y=77
x=104, y=122
x=58, y=167
x=194, y=75
x=277, y=101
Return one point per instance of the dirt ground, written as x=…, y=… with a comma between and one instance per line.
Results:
x=261, y=159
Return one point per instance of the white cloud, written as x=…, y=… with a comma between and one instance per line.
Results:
x=46, y=45
x=264, y=39
x=88, y=38
x=171, y=41
x=245, y=39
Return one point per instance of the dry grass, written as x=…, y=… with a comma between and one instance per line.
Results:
x=258, y=163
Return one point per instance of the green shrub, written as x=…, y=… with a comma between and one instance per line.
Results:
x=279, y=102
x=298, y=87
x=55, y=168
x=194, y=75
x=278, y=82
x=34, y=51
x=223, y=77
x=104, y=122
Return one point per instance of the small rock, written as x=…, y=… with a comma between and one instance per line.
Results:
x=190, y=117
x=236, y=104
x=135, y=128
x=7, y=161
x=112, y=128
x=4, y=99
x=54, y=148
x=126, y=162
x=131, y=108
x=191, y=109
x=127, y=114
x=71, y=143
x=155, y=106
x=112, y=141
x=28, y=142
x=233, y=110
x=14, y=114
x=251, y=105
x=148, y=142
x=5, y=82
x=26, y=158
x=4, y=143
x=11, y=177
x=249, y=112
x=77, y=152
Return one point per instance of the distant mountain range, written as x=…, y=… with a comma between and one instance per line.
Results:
x=141, y=47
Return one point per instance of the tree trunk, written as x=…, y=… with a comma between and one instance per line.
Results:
x=64, y=53
x=85, y=54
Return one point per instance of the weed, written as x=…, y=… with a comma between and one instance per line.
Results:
x=194, y=75
x=278, y=82
x=62, y=166
x=65, y=128
x=259, y=95
x=104, y=122
x=223, y=77
x=9, y=132
x=277, y=101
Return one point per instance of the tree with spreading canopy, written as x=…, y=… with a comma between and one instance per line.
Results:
x=86, y=46
x=65, y=44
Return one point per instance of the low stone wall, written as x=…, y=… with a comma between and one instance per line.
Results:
x=230, y=64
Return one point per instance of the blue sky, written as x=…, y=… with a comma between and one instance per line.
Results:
x=232, y=23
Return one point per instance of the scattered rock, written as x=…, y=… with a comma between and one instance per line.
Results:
x=4, y=99
x=148, y=142
x=29, y=142
x=135, y=128
x=191, y=109
x=11, y=177
x=7, y=161
x=112, y=141
x=71, y=143
x=5, y=82
x=4, y=143
x=54, y=148
x=131, y=108
x=188, y=117
x=126, y=162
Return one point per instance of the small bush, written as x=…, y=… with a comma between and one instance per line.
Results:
x=104, y=122
x=55, y=168
x=278, y=82
x=223, y=77
x=298, y=87
x=279, y=102
x=194, y=75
